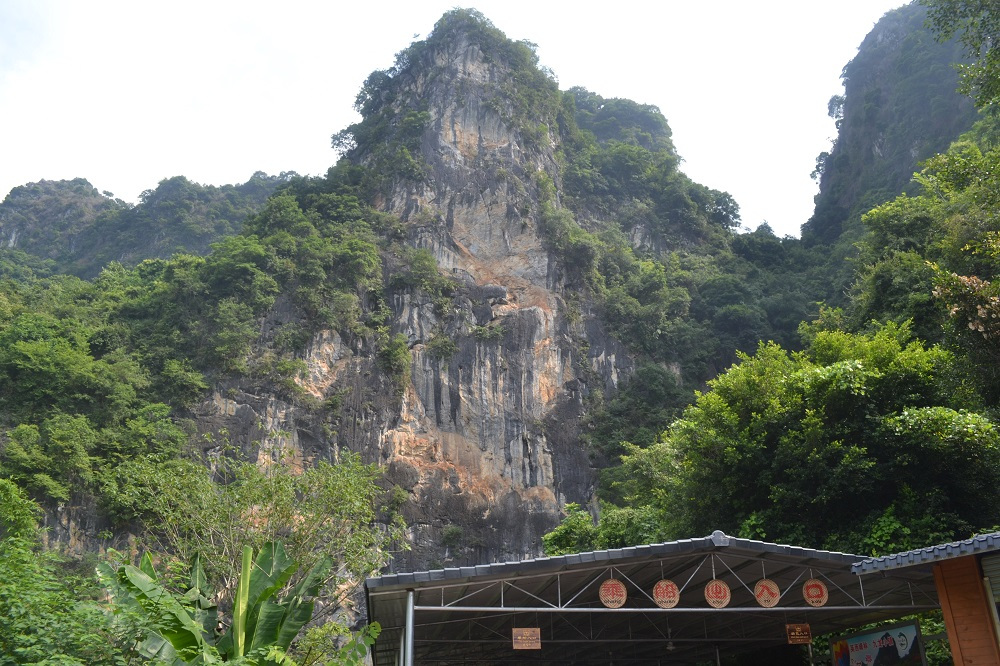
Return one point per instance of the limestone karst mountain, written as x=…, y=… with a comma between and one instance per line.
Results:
x=504, y=310
x=485, y=435
x=497, y=284
x=899, y=107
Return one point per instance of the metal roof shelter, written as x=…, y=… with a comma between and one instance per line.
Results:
x=967, y=577
x=977, y=545
x=466, y=615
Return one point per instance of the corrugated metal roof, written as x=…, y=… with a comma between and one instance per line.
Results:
x=717, y=539
x=982, y=543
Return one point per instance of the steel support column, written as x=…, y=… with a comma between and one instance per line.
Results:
x=408, y=653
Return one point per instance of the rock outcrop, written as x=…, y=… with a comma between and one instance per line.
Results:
x=900, y=106
x=484, y=437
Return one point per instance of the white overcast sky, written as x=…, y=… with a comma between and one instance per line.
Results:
x=127, y=93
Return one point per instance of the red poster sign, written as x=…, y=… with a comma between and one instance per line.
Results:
x=815, y=593
x=666, y=594
x=613, y=594
x=767, y=593
x=717, y=593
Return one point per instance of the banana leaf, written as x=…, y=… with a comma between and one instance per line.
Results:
x=174, y=632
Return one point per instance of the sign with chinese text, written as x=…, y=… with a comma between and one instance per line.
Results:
x=666, y=594
x=527, y=638
x=612, y=593
x=798, y=634
x=717, y=593
x=896, y=644
x=767, y=593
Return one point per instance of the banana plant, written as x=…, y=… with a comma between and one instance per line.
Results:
x=181, y=629
x=261, y=621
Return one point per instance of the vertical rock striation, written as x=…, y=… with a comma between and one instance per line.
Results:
x=484, y=436
x=488, y=437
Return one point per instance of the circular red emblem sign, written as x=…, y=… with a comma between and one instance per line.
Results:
x=613, y=594
x=666, y=594
x=717, y=593
x=815, y=593
x=767, y=593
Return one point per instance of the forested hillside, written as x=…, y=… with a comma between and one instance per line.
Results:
x=899, y=108
x=80, y=231
x=504, y=317
x=879, y=435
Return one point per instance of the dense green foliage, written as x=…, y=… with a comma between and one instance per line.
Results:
x=855, y=444
x=82, y=230
x=933, y=258
x=91, y=370
x=900, y=107
x=183, y=627
x=619, y=527
x=867, y=443
x=51, y=613
x=977, y=24
x=55, y=612
x=325, y=512
x=659, y=253
x=97, y=377
x=691, y=292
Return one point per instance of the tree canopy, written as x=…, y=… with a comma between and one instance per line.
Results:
x=977, y=25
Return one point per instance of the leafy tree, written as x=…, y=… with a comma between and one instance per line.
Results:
x=860, y=443
x=574, y=534
x=977, y=24
x=618, y=527
x=932, y=258
x=50, y=614
x=976, y=303
x=324, y=511
x=394, y=358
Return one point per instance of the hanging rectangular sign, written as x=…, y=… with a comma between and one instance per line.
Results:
x=527, y=638
x=895, y=644
x=798, y=634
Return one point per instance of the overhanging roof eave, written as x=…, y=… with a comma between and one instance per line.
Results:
x=929, y=556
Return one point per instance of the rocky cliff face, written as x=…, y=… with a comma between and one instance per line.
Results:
x=490, y=435
x=485, y=437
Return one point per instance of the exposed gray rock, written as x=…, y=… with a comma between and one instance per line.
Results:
x=485, y=440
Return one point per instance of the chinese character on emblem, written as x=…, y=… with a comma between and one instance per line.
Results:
x=666, y=594
x=767, y=593
x=717, y=593
x=612, y=593
x=815, y=593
